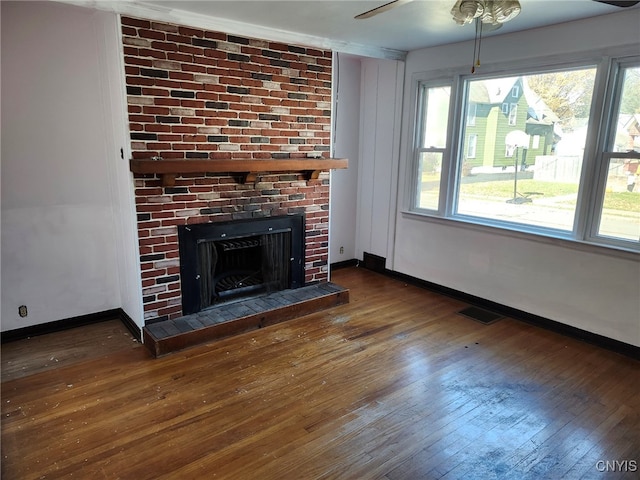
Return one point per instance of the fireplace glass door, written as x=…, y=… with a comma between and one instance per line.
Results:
x=243, y=266
x=224, y=261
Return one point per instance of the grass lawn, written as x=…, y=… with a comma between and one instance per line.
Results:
x=504, y=188
x=623, y=201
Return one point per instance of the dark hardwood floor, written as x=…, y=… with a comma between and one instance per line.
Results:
x=59, y=349
x=394, y=385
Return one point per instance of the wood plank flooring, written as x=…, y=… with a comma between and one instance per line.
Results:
x=394, y=385
x=59, y=349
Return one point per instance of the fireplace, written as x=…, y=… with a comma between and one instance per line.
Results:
x=227, y=261
x=224, y=128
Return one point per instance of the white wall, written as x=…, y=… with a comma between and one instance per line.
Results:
x=121, y=183
x=346, y=138
x=380, y=115
x=66, y=218
x=589, y=290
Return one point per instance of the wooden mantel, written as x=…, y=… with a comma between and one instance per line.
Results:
x=250, y=168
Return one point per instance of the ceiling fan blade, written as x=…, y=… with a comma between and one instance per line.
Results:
x=382, y=8
x=619, y=3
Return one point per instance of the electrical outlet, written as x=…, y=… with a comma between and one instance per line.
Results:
x=341, y=250
x=22, y=311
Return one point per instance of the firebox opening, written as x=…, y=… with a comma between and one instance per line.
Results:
x=230, y=260
x=242, y=266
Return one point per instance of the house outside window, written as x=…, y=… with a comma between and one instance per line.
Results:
x=560, y=171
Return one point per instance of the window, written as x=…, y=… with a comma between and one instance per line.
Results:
x=432, y=140
x=535, y=141
x=513, y=113
x=569, y=168
x=524, y=173
x=471, y=114
x=471, y=146
x=618, y=212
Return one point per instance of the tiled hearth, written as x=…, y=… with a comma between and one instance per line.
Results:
x=234, y=318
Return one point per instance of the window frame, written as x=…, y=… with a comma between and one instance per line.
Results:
x=591, y=185
x=611, y=98
x=418, y=148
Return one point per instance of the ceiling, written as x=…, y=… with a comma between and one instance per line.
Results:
x=417, y=24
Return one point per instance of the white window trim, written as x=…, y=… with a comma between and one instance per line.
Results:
x=417, y=141
x=584, y=208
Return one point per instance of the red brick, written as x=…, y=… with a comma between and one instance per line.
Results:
x=190, y=32
x=209, y=61
x=163, y=214
x=153, y=273
x=157, y=127
x=168, y=295
x=170, y=138
x=147, y=52
x=179, y=57
x=134, y=22
x=165, y=248
x=155, y=305
x=130, y=50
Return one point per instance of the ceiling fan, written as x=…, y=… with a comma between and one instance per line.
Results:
x=488, y=15
x=464, y=11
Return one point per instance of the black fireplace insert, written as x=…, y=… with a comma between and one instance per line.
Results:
x=225, y=261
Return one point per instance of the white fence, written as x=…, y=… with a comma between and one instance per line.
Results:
x=552, y=168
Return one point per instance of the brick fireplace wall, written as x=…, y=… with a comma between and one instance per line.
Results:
x=195, y=94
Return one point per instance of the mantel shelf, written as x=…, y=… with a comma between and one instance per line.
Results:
x=249, y=168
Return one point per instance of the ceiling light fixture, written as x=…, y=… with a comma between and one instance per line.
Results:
x=488, y=11
x=492, y=13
